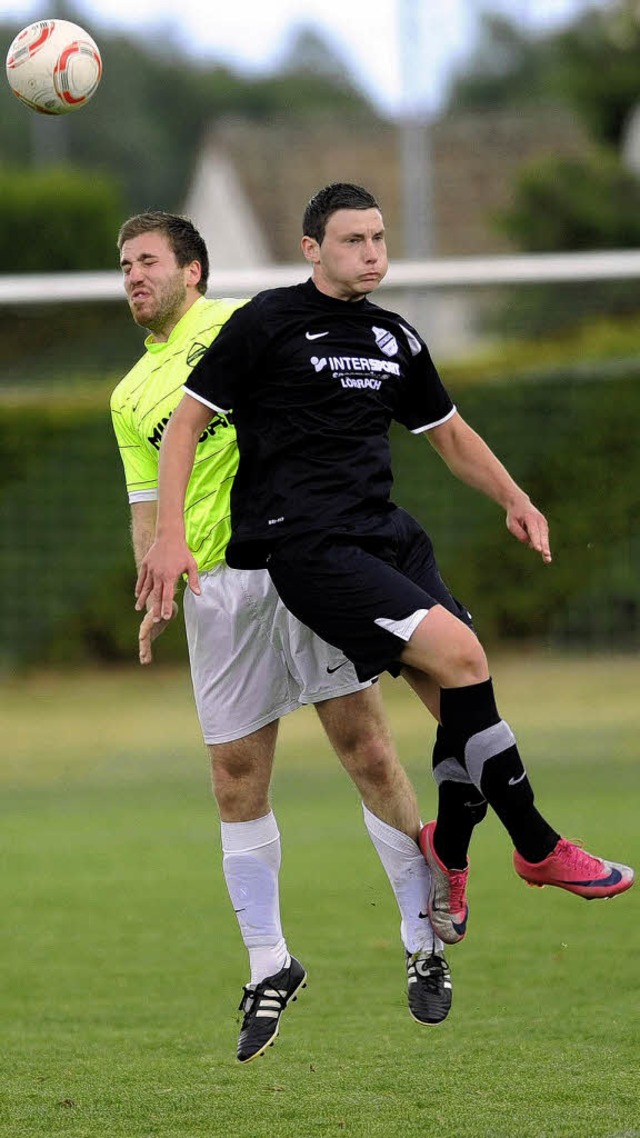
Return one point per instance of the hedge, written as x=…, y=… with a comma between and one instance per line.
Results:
x=66, y=571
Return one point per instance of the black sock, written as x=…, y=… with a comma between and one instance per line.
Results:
x=460, y=805
x=460, y=808
x=490, y=756
x=511, y=796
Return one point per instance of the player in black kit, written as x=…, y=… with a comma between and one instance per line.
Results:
x=315, y=374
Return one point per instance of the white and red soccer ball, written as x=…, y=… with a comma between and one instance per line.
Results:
x=54, y=67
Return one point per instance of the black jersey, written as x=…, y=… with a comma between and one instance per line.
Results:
x=314, y=384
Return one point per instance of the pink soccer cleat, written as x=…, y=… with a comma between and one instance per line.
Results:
x=447, y=906
x=570, y=867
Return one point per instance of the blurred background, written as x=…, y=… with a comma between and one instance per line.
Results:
x=503, y=142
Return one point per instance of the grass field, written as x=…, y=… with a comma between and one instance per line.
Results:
x=122, y=965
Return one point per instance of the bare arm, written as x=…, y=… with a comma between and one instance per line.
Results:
x=143, y=528
x=169, y=556
x=473, y=462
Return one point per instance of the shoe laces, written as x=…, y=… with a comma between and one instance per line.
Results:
x=457, y=889
x=252, y=994
x=575, y=857
x=435, y=969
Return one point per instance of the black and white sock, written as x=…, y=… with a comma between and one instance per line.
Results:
x=491, y=758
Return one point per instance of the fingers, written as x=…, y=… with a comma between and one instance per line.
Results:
x=159, y=573
x=532, y=529
x=145, y=636
x=193, y=579
x=538, y=531
x=155, y=589
x=143, y=587
x=150, y=629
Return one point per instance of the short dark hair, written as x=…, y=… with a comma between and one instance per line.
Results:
x=186, y=243
x=339, y=195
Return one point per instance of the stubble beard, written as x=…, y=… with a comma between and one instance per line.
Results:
x=168, y=310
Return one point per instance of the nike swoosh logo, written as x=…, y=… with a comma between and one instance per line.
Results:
x=460, y=927
x=515, y=781
x=614, y=877
x=331, y=670
x=315, y=335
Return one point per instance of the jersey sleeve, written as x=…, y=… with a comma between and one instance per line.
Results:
x=220, y=375
x=424, y=401
x=140, y=470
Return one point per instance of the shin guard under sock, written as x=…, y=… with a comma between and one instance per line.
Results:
x=492, y=761
x=461, y=805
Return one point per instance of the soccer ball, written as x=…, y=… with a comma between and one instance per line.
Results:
x=54, y=67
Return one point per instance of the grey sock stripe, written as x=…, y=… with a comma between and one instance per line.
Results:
x=450, y=770
x=484, y=745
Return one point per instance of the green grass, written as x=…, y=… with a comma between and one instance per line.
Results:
x=122, y=965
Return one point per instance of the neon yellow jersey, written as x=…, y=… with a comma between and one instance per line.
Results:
x=141, y=406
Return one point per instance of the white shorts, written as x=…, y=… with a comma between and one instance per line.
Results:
x=251, y=660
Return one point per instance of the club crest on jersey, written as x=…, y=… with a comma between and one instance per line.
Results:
x=195, y=353
x=385, y=341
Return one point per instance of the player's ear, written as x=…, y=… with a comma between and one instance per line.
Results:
x=194, y=273
x=310, y=249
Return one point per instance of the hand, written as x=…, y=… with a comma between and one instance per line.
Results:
x=150, y=629
x=529, y=526
x=160, y=570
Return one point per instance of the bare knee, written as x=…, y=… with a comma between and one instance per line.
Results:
x=444, y=648
x=371, y=758
x=241, y=774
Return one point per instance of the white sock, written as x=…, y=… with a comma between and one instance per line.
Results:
x=251, y=864
x=410, y=879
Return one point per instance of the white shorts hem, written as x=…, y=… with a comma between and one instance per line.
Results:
x=317, y=697
x=242, y=732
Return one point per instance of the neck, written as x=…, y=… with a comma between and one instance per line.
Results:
x=161, y=335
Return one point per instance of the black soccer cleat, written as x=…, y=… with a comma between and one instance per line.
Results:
x=263, y=1005
x=428, y=987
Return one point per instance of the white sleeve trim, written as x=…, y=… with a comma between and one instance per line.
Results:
x=201, y=399
x=143, y=495
x=430, y=426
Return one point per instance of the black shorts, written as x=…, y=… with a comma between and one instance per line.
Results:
x=341, y=584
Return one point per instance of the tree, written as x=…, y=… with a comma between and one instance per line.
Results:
x=153, y=107
x=575, y=203
x=82, y=212
x=508, y=67
x=592, y=65
x=598, y=66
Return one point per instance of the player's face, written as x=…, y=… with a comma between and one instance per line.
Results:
x=159, y=291
x=352, y=259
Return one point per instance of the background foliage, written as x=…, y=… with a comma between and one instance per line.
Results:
x=158, y=103
x=144, y=131
x=559, y=433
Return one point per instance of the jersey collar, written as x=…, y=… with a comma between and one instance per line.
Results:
x=182, y=327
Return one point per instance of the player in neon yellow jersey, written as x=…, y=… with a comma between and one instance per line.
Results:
x=141, y=406
x=251, y=660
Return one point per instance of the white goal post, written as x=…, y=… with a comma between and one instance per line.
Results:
x=459, y=272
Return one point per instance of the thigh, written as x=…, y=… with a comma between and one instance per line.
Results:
x=357, y=723
x=239, y=673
